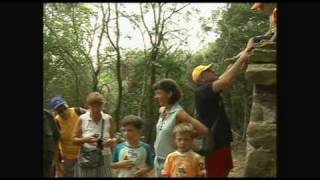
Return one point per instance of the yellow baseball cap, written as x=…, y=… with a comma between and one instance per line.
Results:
x=196, y=73
x=256, y=6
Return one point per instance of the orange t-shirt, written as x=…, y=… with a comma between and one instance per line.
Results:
x=188, y=164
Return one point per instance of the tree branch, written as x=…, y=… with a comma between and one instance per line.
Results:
x=140, y=30
x=117, y=26
x=175, y=11
x=100, y=40
x=145, y=25
x=171, y=31
x=107, y=24
x=66, y=50
x=90, y=43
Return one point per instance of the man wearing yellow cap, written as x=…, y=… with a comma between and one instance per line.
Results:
x=267, y=9
x=211, y=112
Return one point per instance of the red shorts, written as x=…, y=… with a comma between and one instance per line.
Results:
x=219, y=163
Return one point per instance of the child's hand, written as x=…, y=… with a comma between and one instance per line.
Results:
x=163, y=173
x=139, y=173
x=126, y=164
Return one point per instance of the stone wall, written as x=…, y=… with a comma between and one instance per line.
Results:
x=261, y=131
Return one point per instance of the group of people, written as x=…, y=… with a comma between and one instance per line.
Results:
x=84, y=139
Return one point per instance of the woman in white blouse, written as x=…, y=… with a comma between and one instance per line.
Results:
x=88, y=131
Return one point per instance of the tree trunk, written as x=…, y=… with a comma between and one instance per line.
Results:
x=150, y=121
x=116, y=47
x=166, y=74
x=95, y=83
x=141, y=103
x=119, y=101
x=77, y=90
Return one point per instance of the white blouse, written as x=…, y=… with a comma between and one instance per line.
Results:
x=89, y=127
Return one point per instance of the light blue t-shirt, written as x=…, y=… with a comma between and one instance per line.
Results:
x=164, y=143
x=141, y=155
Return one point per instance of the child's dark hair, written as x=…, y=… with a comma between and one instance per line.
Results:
x=185, y=128
x=169, y=85
x=133, y=120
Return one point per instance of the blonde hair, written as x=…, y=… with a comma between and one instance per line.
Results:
x=95, y=97
x=185, y=128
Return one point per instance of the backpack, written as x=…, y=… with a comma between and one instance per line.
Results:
x=207, y=143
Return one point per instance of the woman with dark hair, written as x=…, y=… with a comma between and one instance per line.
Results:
x=168, y=94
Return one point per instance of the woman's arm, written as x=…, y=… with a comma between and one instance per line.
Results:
x=201, y=129
x=112, y=141
x=77, y=135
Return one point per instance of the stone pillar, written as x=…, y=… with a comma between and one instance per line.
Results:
x=261, y=131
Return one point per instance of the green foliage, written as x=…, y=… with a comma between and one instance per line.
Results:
x=68, y=66
x=66, y=71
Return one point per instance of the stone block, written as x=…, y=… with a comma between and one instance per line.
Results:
x=262, y=74
x=259, y=163
x=262, y=136
x=266, y=45
x=263, y=56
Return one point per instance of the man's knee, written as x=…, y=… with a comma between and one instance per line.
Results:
x=69, y=166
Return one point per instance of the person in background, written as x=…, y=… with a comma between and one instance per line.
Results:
x=66, y=119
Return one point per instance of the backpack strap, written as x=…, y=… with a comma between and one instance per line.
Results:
x=102, y=130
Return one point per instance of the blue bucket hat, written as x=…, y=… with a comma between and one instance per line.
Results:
x=56, y=102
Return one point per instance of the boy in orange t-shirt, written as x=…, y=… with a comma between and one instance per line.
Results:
x=184, y=162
